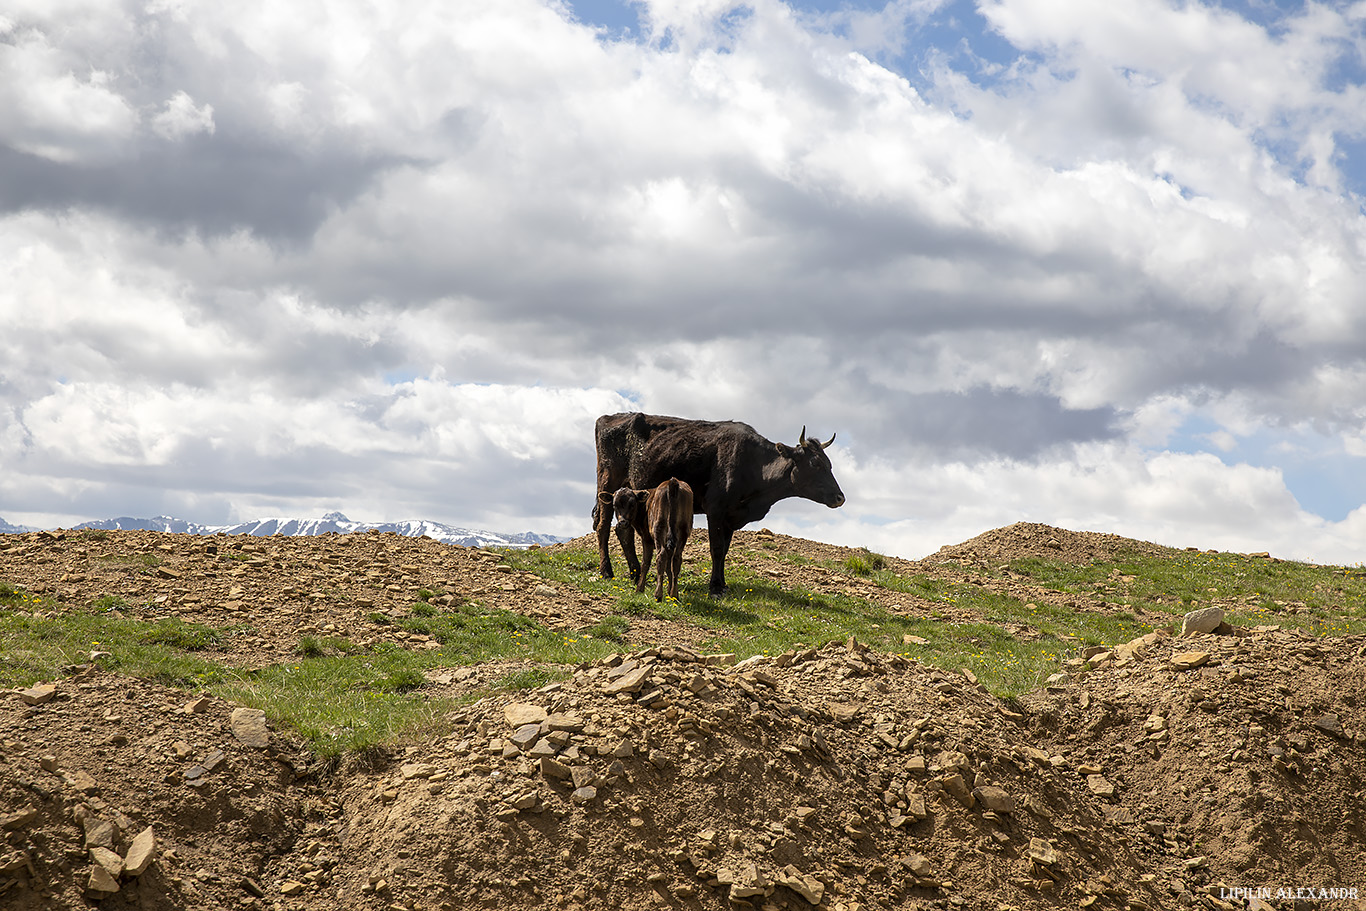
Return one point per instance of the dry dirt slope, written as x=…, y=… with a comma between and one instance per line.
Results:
x=832, y=778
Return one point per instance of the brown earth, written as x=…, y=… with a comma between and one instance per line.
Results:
x=836, y=777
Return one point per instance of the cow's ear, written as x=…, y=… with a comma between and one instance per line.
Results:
x=785, y=450
x=604, y=497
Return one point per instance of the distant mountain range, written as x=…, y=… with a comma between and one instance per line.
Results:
x=332, y=522
x=8, y=529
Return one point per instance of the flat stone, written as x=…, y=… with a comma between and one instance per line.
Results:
x=526, y=735
x=518, y=714
x=249, y=727
x=1329, y=724
x=14, y=862
x=543, y=749
x=1041, y=852
x=526, y=801
x=919, y=865
x=1187, y=661
x=411, y=770
x=18, y=819
x=1118, y=815
x=994, y=799
x=956, y=786
x=197, y=706
x=843, y=711
x=141, y=853
x=915, y=806
x=99, y=833
x=584, y=795
x=39, y=695
x=108, y=859
x=553, y=768
x=1205, y=620
x=84, y=782
x=804, y=884
x=100, y=882
x=628, y=683
x=561, y=722
x=291, y=887
x=1100, y=786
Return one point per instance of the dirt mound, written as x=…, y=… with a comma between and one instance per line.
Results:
x=1026, y=539
x=1240, y=753
x=98, y=759
x=1164, y=774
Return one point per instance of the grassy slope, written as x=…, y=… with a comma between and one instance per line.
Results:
x=342, y=698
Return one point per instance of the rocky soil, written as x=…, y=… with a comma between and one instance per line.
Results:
x=1175, y=773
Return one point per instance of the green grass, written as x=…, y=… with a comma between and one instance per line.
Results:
x=760, y=616
x=1322, y=600
x=342, y=697
x=339, y=697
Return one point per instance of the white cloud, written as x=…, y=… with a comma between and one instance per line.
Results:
x=56, y=106
x=401, y=255
x=182, y=118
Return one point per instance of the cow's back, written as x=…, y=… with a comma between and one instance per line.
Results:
x=643, y=450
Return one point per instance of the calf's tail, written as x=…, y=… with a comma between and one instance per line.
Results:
x=670, y=504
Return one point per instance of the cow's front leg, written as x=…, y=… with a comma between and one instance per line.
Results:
x=602, y=524
x=627, y=536
x=719, y=537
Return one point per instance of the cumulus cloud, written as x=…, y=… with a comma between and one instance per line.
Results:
x=182, y=118
x=400, y=255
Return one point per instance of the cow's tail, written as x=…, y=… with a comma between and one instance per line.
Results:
x=670, y=504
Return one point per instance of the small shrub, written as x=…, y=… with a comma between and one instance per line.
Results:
x=381, y=619
x=423, y=609
x=529, y=679
x=189, y=637
x=400, y=681
x=612, y=627
x=109, y=602
x=309, y=647
x=425, y=594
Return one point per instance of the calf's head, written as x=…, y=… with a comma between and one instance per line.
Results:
x=625, y=503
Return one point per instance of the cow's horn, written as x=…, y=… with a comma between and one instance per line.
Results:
x=826, y=444
x=801, y=440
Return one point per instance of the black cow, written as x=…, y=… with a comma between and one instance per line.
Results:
x=735, y=474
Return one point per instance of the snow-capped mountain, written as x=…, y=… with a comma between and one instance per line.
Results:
x=332, y=522
x=8, y=529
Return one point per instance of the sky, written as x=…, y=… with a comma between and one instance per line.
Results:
x=1098, y=265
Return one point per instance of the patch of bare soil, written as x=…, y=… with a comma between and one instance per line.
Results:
x=1174, y=773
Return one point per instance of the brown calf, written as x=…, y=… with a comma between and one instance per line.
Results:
x=661, y=517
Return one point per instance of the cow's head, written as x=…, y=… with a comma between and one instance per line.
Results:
x=812, y=475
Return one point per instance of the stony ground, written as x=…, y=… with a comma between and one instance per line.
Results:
x=1176, y=772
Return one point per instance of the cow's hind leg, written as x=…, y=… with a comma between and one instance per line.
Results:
x=677, y=568
x=664, y=570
